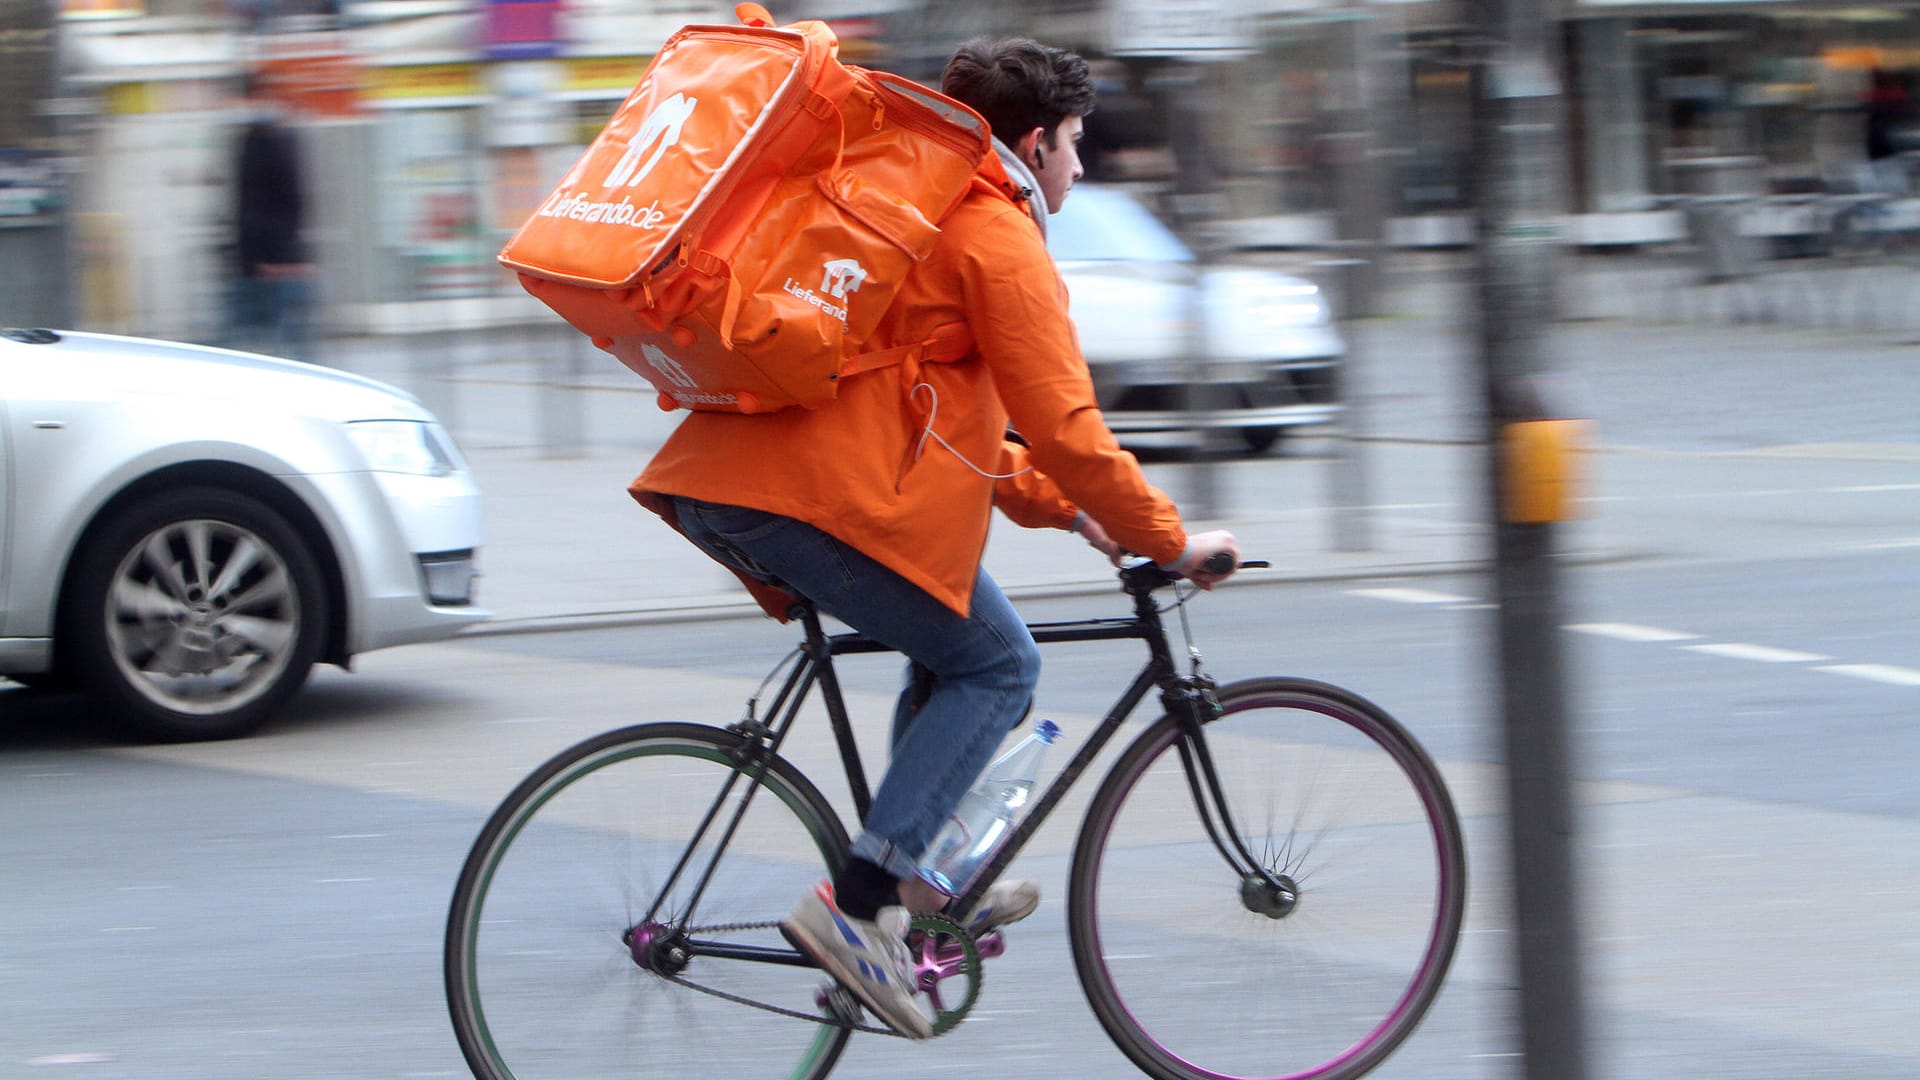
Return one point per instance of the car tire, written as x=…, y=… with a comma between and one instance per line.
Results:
x=195, y=614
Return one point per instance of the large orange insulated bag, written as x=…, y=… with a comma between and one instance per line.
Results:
x=739, y=227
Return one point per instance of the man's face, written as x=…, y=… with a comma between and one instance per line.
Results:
x=1056, y=163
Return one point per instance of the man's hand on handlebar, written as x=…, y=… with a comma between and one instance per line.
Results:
x=1210, y=558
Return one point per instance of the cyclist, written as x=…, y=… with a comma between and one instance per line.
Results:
x=876, y=507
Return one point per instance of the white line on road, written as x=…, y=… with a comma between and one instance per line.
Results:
x=1877, y=487
x=1885, y=545
x=1413, y=596
x=1765, y=654
x=1632, y=632
x=1737, y=650
x=1886, y=673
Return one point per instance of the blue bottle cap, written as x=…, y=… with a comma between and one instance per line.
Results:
x=1048, y=731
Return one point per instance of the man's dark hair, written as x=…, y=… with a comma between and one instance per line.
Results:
x=1018, y=84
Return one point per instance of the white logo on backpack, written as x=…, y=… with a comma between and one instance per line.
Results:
x=668, y=367
x=662, y=124
x=684, y=387
x=842, y=276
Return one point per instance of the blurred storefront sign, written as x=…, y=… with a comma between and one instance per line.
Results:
x=591, y=75
x=102, y=9
x=315, y=73
x=1181, y=28
x=521, y=29
x=417, y=82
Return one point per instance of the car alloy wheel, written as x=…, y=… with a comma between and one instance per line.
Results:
x=202, y=610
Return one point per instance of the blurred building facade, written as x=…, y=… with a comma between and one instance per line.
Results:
x=433, y=126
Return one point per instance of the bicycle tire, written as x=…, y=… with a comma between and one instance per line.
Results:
x=540, y=980
x=1195, y=978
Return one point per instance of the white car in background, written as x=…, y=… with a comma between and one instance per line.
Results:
x=186, y=531
x=1271, y=350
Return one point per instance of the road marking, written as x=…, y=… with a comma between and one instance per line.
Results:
x=1765, y=654
x=1414, y=596
x=1877, y=487
x=340, y=880
x=1885, y=673
x=1632, y=632
x=1885, y=545
x=357, y=836
x=1736, y=650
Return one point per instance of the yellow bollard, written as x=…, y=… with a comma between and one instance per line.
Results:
x=1539, y=470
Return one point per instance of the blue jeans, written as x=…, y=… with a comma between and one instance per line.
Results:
x=975, y=675
x=274, y=317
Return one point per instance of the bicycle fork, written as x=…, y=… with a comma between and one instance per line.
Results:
x=1264, y=890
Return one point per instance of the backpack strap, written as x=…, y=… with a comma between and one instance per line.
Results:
x=948, y=343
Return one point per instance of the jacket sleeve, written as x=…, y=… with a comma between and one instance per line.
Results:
x=1017, y=309
x=1028, y=496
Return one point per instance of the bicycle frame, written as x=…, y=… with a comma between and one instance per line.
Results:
x=1187, y=697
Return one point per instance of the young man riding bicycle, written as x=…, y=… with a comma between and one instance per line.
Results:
x=876, y=506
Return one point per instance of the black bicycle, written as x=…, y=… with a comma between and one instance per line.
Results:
x=1269, y=882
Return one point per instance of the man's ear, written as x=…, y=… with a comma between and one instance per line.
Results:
x=1029, y=146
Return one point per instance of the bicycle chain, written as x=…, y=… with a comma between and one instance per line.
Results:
x=796, y=1014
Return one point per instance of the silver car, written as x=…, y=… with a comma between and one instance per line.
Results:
x=185, y=531
x=1270, y=351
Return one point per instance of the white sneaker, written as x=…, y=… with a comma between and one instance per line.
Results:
x=1006, y=902
x=869, y=958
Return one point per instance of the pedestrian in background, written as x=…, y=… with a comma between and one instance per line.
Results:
x=1890, y=132
x=270, y=309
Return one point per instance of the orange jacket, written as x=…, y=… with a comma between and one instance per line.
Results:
x=862, y=468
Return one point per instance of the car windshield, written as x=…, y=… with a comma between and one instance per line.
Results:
x=1096, y=225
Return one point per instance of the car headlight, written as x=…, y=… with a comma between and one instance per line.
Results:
x=1278, y=305
x=404, y=446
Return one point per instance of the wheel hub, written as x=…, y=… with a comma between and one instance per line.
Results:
x=656, y=948
x=1272, y=895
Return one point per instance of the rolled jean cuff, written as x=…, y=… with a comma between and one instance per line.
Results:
x=886, y=855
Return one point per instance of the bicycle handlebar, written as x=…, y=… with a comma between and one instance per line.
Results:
x=1146, y=571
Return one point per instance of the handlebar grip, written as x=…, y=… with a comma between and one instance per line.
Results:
x=1220, y=562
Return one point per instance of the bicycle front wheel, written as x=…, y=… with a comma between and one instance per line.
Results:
x=575, y=945
x=1318, y=964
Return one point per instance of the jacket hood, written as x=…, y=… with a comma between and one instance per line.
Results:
x=1023, y=183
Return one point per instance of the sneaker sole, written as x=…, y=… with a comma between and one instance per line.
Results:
x=799, y=937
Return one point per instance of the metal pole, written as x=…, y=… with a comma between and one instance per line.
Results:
x=1360, y=211
x=1196, y=201
x=1517, y=162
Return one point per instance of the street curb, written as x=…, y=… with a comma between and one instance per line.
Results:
x=669, y=612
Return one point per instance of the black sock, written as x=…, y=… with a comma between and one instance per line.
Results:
x=862, y=888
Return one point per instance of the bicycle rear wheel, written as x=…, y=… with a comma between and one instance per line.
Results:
x=1198, y=971
x=561, y=959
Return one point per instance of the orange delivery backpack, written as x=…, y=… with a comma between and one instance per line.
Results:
x=738, y=228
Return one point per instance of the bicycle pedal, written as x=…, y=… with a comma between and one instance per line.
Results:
x=838, y=1002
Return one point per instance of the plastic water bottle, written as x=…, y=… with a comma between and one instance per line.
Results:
x=986, y=814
